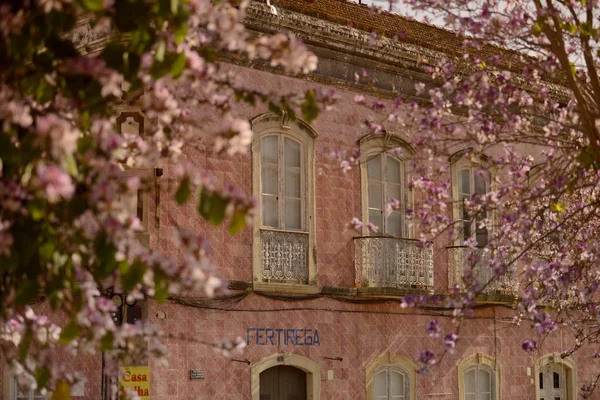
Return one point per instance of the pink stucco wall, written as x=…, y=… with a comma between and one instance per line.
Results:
x=357, y=333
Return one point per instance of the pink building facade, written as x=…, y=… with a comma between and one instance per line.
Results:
x=318, y=303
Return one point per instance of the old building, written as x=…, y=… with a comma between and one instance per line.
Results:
x=320, y=304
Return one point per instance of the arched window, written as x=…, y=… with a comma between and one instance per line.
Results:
x=283, y=180
x=478, y=382
x=479, y=378
x=555, y=378
x=390, y=382
x=383, y=170
x=391, y=377
x=469, y=179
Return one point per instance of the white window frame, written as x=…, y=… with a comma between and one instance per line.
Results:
x=457, y=166
x=479, y=361
x=389, y=369
x=10, y=388
x=298, y=130
x=569, y=368
x=392, y=362
x=370, y=146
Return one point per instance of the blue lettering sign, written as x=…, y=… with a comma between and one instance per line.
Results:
x=282, y=337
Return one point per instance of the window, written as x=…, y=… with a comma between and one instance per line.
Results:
x=385, y=176
x=283, y=176
x=470, y=179
x=17, y=394
x=282, y=154
x=478, y=383
x=556, y=378
x=383, y=172
x=391, y=377
x=391, y=383
x=479, y=378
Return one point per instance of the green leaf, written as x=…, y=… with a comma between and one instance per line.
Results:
x=310, y=110
x=46, y=251
x=160, y=51
x=42, y=375
x=180, y=32
x=93, y=5
x=37, y=209
x=107, y=342
x=208, y=53
x=69, y=332
x=62, y=391
x=238, y=222
x=132, y=274
x=178, y=65
x=161, y=288
x=212, y=207
x=174, y=6
x=184, y=192
x=27, y=291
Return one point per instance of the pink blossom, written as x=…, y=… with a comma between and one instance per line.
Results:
x=55, y=183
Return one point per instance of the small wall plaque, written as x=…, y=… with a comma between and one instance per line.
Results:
x=196, y=374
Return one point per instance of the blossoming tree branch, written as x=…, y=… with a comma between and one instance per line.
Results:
x=519, y=99
x=66, y=234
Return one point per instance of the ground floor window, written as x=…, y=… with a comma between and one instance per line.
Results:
x=479, y=378
x=17, y=394
x=391, y=383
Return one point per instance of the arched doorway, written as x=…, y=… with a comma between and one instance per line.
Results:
x=288, y=367
x=283, y=382
x=556, y=378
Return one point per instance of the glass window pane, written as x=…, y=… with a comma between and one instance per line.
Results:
x=556, y=379
x=374, y=168
x=293, y=213
x=394, y=192
x=292, y=153
x=380, y=385
x=292, y=182
x=481, y=182
x=464, y=184
x=376, y=195
x=481, y=235
x=470, y=396
x=394, y=170
x=394, y=224
x=470, y=381
x=269, y=179
x=376, y=218
x=485, y=396
x=484, y=381
x=270, y=211
x=397, y=384
x=269, y=149
x=541, y=380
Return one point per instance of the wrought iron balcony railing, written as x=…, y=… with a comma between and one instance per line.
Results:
x=383, y=261
x=463, y=259
x=284, y=256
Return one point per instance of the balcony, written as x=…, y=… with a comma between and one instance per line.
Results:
x=284, y=256
x=463, y=259
x=389, y=262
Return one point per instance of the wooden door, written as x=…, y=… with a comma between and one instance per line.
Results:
x=552, y=381
x=283, y=383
